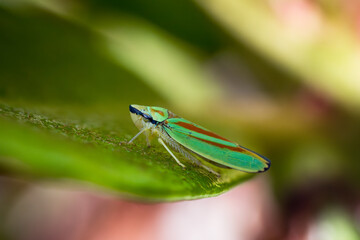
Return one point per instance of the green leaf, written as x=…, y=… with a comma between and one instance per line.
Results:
x=42, y=145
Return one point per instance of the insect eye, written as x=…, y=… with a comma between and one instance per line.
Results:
x=147, y=116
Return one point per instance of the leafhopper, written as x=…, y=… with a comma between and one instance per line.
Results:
x=193, y=141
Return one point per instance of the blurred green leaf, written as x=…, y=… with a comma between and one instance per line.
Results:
x=172, y=68
x=195, y=27
x=169, y=66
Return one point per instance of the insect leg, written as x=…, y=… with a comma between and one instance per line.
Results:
x=141, y=131
x=178, y=162
x=199, y=163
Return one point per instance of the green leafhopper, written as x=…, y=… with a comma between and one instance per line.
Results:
x=194, y=141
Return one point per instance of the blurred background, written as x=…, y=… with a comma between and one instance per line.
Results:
x=281, y=76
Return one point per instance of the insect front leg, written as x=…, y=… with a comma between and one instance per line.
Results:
x=138, y=134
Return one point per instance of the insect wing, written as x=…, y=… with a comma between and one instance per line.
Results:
x=214, y=147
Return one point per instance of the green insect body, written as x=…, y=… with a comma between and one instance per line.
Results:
x=194, y=141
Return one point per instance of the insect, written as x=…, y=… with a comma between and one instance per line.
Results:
x=193, y=141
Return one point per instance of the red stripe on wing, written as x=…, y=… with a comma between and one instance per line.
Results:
x=235, y=149
x=199, y=130
x=159, y=112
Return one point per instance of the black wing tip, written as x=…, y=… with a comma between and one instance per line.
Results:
x=267, y=167
x=268, y=162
